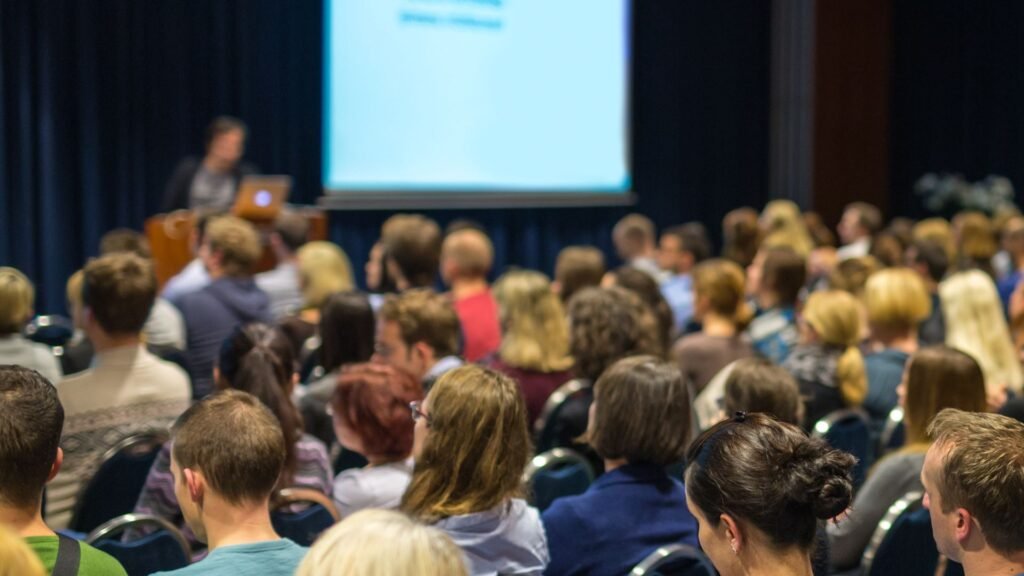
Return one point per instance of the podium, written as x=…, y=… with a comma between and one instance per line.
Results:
x=169, y=235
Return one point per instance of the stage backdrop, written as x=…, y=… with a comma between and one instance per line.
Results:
x=102, y=97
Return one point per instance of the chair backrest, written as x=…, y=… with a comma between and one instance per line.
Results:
x=52, y=330
x=902, y=544
x=115, y=487
x=302, y=526
x=849, y=431
x=556, y=473
x=675, y=560
x=893, y=433
x=165, y=549
x=543, y=428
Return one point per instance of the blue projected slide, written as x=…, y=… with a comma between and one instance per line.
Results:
x=477, y=96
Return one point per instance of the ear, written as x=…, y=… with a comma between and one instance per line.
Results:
x=424, y=351
x=57, y=463
x=196, y=484
x=964, y=525
x=556, y=287
x=732, y=532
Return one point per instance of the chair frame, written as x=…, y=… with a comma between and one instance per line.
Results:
x=295, y=494
x=557, y=398
x=121, y=523
x=909, y=501
x=823, y=426
x=892, y=424
x=667, y=553
x=554, y=457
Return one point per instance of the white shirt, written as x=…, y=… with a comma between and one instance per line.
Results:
x=372, y=487
x=20, y=351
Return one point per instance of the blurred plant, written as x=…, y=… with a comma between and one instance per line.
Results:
x=950, y=193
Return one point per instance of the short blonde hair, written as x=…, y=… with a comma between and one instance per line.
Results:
x=784, y=227
x=16, y=558
x=535, y=332
x=237, y=242
x=324, y=269
x=470, y=250
x=896, y=298
x=722, y=282
x=17, y=296
x=382, y=543
x=835, y=317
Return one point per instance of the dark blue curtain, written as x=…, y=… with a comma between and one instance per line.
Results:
x=100, y=98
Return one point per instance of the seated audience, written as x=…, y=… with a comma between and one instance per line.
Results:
x=638, y=426
x=17, y=297
x=935, y=378
x=973, y=495
x=723, y=314
x=418, y=332
x=255, y=359
x=741, y=236
x=379, y=543
x=227, y=459
x=376, y=271
x=976, y=242
x=757, y=385
x=210, y=182
x=466, y=259
x=758, y=488
x=412, y=245
x=1013, y=241
x=324, y=269
x=371, y=418
x=827, y=364
x=860, y=222
x=127, y=390
x=680, y=249
x=640, y=283
x=291, y=230
x=782, y=225
x=929, y=261
x=576, y=268
x=193, y=277
x=535, y=337
x=939, y=231
x=230, y=249
x=471, y=447
x=31, y=418
x=820, y=234
x=635, y=241
x=774, y=281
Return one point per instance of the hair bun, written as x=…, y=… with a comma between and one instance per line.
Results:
x=821, y=478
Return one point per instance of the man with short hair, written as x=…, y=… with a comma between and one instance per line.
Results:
x=973, y=478
x=680, y=249
x=227, y=455
x=576, y=268
x=282, y=283
x=859, y=224
x=127, y=390
x=229, y=251
x=412, y=243
x=634, y=239
x=930, y=261
x=31, y=419
x=418, y=332
x=466, y=259
x=774, y=281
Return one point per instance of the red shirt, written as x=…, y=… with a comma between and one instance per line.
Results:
x=481, y=333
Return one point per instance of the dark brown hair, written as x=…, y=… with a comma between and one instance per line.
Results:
x=120, y=289
x=742, y=236
x=347, y=330
x=646, y=287
x=868, y=216
x=424, y=316
x=31, y=421
x=607, y=324
x=940, y=377
x=757, y=385
x=293, y=229
x=223, y=125
x=578, y=267
x=413, y=243
x=784, y=273
x=373, y=401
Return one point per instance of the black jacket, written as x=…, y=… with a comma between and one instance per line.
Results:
x=178, y=187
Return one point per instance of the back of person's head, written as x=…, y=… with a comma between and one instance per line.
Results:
x=535, y=334
x=720, y=287
x=867, y=216
x=939, y=231
x=324, y=269
x=896, y=300
x=293, y=230
x=902, y=229
x=768, y=476
x=476, y=449
x=783, y=225
x=693, y=238
x=646, y=287
x=757, y=385
x=31, y=421
x=641, y=412
x=939, y=377
x=607, y=324
x=235, y=441
x=632, y=235
x=887, y=249
x=236, y=242
x=118, y=290
x=851, y=274
x=347, y=329
x=977, y=239
x=576, y=268
x=423, y=315
x=1011, y=233
x=819, y=232
x=125, y=240
x=741, y=236
x=258, y=359
x=371, y=402
x=930, y=257
x=382, y=543
x=17, y=297
x=16, y=558
x=466, y=253
x=413, y=244
x=834, y=315
x=980, y=472
x=783, y=273
x=976, y=324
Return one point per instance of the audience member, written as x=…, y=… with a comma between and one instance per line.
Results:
x=928, y=259
x=680, y=250
x=466, y=259
x=535, y=337
x=783, y=225
x=640, y=283
x=758, y=488
x=723, y=314
x=471, y=447
x=576, y=268
x=973, y=478
x=17, y=297
x=418, y=332
x=412, y=244
x=378, y=281
x=859, y=224
x=211, y=182
x=774, y=281
x=741, y=235
x=371, y=418
x=31, y=418
x=887, y=249
x=324, y=270
x=194, y=276
x=818, y=231
x=230, y=249
x=757, y=385
x=380, y=543
x=126, y=391
x=635, y=243
x=227, y=458
x=1013, y=242
x=976, y=242
x=935, y=378
x=291, y=230
x=638, y=425
x=939, y=231
x=827, y=364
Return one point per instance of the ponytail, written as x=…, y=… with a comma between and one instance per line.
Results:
x=853, y=382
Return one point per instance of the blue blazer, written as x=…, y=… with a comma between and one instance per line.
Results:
x=623, y=517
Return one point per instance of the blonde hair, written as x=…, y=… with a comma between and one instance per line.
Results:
x=382, y=543
x=723, y=284
x=896, y=299
x=939, y=231
x=835, y=317
x=324, y=269
x=939, y=377
x=16, y=558
x=237, y=241
x=535, y=333
x=470, y=250
x=975, y=324
x=17, y=296
x=784, y=227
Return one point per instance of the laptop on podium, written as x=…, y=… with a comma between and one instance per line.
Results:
x=262, y=197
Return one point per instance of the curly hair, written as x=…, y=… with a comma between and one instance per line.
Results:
x=607, y=324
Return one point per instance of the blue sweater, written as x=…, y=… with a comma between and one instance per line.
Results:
x=623, y=517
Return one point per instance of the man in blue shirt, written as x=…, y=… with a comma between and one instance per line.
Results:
x=680, y=249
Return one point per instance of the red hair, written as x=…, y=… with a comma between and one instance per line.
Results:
x=373, y=401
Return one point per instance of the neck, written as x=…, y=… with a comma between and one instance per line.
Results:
x=757, y=562
x=610, y=465
x=103, y=342
x=899, y=340
x=717, y=325
x=25, y=521
x=214, y=164
x=229, y=525
x=466, y=287
x=989, y=562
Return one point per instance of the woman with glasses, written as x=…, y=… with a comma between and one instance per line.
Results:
x=471, y=446
x=758, y=488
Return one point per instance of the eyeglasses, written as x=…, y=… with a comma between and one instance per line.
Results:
x=416, y=408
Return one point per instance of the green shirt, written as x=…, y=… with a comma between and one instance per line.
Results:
x=92, y=563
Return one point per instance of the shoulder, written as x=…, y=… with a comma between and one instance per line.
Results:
x=567, y=516
x=97, y=563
